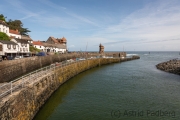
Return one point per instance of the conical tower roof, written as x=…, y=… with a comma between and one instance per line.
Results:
x=64, y=39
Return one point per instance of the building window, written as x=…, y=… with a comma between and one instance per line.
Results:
x=20, y=49
x=14, y=46
x=22, y=44
x=40, y=46
x=8, y=46
x=25, y=45
x=23, y=49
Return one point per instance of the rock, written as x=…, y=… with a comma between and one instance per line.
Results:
x=171, y=66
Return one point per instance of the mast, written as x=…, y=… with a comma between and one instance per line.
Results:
x=86, y=50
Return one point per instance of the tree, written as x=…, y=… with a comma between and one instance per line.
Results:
x=17, y=24
x=2, y=17
x=4, y=36
x=24, y=31
x=33, y=49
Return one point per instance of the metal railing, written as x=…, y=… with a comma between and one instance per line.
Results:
x=32, y=77
x=10, y=87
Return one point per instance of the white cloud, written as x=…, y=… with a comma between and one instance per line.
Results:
x=68, y=12
x=158, y=21
x=70, y=46
x=51, y=4
x=21, y=8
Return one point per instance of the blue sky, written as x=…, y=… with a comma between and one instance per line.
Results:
x=138, y=25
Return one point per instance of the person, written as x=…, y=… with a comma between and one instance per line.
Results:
x=5, y=58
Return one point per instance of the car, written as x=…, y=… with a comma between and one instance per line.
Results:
x=82, y=59
x=17, y=57
x=26, y=56
x=41, y=54
x=9, y=57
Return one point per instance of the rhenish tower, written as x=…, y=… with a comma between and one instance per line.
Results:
x=101, y=49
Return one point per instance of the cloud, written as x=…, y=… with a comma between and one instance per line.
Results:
x=30, y=14
x=21, y=8
x=68, y=12
x=51, y=4
x=70, y=46
x=81, y=18
x=157, y=22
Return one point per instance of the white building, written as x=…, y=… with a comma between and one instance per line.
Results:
x=8, y=48
x=11, y=33
x=48, y=47
x=38, y=45
x=14, y=34
x=27, y=38
x=4, y=27
x=59, y=48
x=23, y=46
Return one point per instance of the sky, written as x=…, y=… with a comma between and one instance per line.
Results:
x=119, y=25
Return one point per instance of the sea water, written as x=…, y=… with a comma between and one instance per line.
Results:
x=133, y=90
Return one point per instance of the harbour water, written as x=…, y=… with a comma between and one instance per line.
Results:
x=133, y=90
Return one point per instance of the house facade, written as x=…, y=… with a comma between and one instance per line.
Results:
x=39, y=45
x=4, y=27
x=8, y=48
x=23, y=46
x=27, y=38
x=52, y=45
x=56, y=48
x=14, y=34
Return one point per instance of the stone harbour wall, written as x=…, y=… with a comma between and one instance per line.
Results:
x=12, y=69
x=15, y=68
x=25, y=103
x=172, y=66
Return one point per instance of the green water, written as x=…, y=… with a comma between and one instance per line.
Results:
x=133, y=90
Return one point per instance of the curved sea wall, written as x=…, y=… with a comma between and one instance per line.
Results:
x=25, y=103
x=12, y=69
x=172, y=66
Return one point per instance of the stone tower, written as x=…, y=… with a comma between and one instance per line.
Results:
x=101, y=49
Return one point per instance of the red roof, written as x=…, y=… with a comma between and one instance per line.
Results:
x=37, y=43
x=14, y=31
